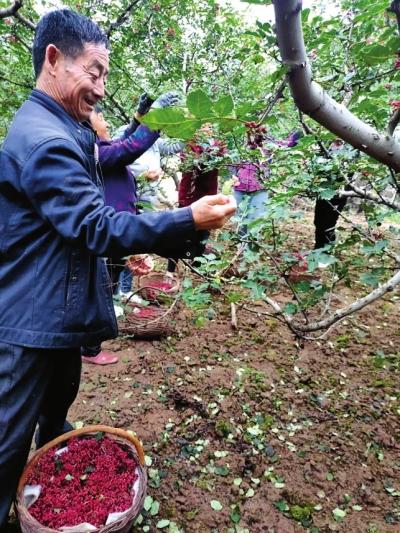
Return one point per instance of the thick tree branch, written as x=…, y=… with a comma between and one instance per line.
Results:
x=315, y=102
x=389, y=286
x=122, y=18
x=301, y=329
x=29, y=24
x=363, y=194
x=11, y=10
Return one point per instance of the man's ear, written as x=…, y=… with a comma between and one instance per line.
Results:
x=52, y=58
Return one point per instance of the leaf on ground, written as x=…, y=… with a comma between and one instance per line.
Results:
x=216, y=505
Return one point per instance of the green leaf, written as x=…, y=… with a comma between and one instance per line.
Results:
x=375, y=53
x=172, y=121
x=224, y=106
x=227, y=124
x=282, y=506
x=184, y=131
x=290, y=308
x=338, y=514
x=148, y=503
x=372, y=278
x=222, y=470
x=199, y=104
x=235, y=515
x=216, y=505
x=155, y=507
x=227, y=186
x=162, y=523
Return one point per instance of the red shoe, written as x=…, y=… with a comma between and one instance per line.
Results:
x=102, y=358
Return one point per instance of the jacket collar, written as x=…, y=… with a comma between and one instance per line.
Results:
x=49, y=103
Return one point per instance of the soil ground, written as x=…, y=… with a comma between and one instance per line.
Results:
x=247, y=430
x=308, y=430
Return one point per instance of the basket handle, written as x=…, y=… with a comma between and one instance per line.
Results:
x=77, y=433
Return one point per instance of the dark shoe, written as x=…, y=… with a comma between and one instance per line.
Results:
x=43, y=436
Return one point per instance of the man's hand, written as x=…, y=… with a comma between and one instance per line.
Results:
x=166, y=100
x=153, y=175
x=212, y=212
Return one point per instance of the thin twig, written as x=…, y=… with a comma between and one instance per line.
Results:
x=278, y=94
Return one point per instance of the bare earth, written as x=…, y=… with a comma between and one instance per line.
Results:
x=285, y=438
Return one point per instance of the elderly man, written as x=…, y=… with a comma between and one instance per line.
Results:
x=55, y=229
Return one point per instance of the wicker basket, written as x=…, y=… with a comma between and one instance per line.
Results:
x=153, y=293
x=156, y=323
x=122, y=525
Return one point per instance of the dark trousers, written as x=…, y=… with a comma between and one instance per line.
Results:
x=36, y=386
x=326, y=214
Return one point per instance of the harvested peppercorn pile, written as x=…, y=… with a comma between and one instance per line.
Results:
x=85, y=482
x=160, y=285
x=146, y=312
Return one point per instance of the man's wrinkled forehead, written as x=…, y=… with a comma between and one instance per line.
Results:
x=96, y=56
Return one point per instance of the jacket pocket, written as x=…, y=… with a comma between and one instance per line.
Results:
x=73, y=291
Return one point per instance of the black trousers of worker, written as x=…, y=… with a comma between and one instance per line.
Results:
x=36, y=386
x=326, y=214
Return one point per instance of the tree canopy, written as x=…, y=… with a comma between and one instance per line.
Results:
x=233, y=73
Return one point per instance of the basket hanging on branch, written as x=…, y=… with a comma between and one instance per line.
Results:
x=88, y=480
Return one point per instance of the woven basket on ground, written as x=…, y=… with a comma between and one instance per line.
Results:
x=159, y=286
x=147, y=322
x=122, y=525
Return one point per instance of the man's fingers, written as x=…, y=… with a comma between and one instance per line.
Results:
x=217, y=199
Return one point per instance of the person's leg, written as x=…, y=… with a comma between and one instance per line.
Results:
x=172, y=264
x=256, y=208
x=59, y=395
x=125, y=281
x=24, y=375
x=326, y=214
x=115, y=266
x=258, y=205
x=242, y=200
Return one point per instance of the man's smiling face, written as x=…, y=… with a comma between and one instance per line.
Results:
x=80, y=81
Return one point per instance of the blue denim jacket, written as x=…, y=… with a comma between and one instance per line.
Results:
x=55, y=230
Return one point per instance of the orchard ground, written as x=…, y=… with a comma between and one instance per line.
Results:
x=250, y=430
x=278, y=434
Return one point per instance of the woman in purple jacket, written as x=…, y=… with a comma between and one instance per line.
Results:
x=114, y=158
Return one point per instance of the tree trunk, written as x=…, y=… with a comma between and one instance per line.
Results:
x=315, y=102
